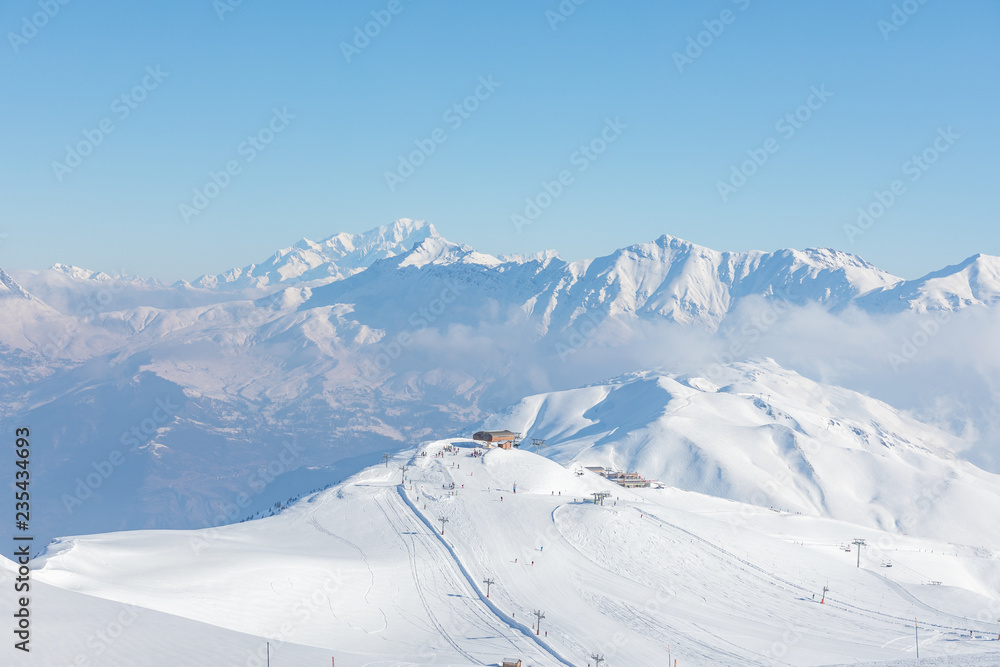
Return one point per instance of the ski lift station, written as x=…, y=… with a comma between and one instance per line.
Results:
x=628, y=480
x=501, y=439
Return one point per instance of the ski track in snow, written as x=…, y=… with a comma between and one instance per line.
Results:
x=385, y=620
x=507, y=620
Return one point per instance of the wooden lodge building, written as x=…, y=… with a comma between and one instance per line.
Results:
x=501, y=439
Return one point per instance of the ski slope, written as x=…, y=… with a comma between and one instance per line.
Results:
x=361, y=573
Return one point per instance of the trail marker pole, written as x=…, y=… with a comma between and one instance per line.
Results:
x=268, y=654
x=916, y=637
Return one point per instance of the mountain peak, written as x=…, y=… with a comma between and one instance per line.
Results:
x=10, y=288
x=334, y=258
x=438, y=250
x=972, y=282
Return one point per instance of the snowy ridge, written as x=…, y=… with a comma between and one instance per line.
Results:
x=974, y=282
x=10, y=289
x=331, y=259
x=765, y=435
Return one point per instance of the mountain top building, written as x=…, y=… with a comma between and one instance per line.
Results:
x=501, y=439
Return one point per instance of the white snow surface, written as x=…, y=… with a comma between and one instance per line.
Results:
x=361, y=573
x=762, y=434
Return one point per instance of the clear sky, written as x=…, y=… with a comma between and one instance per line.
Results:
x=887, y=91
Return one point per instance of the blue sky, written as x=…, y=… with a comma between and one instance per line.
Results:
x=888, y=95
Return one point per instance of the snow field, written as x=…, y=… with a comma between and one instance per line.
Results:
x=361, y=572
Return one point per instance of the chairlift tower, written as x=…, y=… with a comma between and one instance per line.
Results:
x=860, y=543
x=539, y=614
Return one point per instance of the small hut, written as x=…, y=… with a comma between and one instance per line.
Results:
x=509, y=662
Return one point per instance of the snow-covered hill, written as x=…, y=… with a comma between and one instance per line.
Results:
x=362, y=574
x=765, y=435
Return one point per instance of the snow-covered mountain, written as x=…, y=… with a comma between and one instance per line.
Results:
x=665, y=280
x=974, y=282
x=194, y=406
x=354, y=346
x=765, y=435
x=331, y=259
